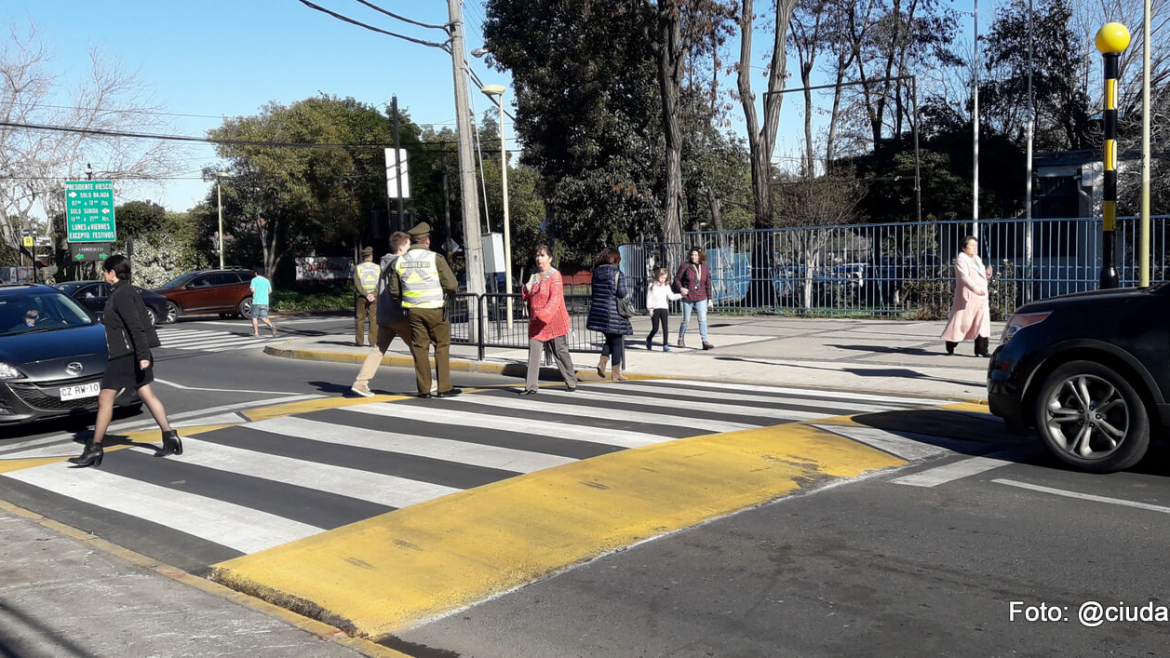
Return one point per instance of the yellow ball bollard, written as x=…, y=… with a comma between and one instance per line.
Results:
x=1112, y=38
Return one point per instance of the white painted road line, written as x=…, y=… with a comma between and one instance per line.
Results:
x=236, y=526
x=908, y=447
x=523, y=405
x=783, y=390
x=488, y=456
x=1084, y=496
x=933, y=477
x=598, y=435
x=386, y=490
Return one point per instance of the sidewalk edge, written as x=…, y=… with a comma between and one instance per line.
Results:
x=318, y=628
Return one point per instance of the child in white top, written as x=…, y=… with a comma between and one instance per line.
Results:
x=658, y=299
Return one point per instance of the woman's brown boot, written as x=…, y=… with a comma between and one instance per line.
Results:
x=617, y=375
x=601, y=366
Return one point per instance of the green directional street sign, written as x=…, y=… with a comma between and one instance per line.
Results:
x=89, y=211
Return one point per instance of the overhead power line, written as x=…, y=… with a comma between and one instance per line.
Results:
x=402, y=18
x=226, y=142
x=442, y=46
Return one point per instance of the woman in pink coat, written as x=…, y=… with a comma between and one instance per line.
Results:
x=970, y=313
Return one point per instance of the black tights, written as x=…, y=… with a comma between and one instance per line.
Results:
x=615, y=345
x=658, y=317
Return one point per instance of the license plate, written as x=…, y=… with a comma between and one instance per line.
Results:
x=80, y=391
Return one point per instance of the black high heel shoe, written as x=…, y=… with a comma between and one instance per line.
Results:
x=171, y=444
x=92, y=456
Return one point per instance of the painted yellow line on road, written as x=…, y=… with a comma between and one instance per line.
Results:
x=389, y=573
x=137, y=437
x=319, y=404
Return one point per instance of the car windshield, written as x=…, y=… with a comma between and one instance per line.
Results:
x=41, y=310
x=178, y=283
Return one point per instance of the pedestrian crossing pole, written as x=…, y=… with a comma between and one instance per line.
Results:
x=1111, y=39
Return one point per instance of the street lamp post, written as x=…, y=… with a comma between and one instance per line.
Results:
x=219, y=176
x=497, y=93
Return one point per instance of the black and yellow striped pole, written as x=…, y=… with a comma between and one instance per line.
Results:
x=1111, y=39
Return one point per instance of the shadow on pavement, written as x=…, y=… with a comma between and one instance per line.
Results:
x=12, y=646
x=900, y=373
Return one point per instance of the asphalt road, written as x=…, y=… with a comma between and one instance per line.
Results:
x=872, y=567
x=953, y=554
x=208, y=369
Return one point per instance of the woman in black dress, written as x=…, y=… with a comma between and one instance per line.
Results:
x=128, y=340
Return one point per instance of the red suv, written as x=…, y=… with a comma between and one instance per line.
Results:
x=226, y=292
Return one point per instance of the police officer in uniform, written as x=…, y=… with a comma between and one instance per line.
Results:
x=365, y=283
x=422, y=281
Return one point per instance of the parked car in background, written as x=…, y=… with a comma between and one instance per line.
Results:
x=226, y=292
x=53, y=365
x=92, y=295
x=1089, y=372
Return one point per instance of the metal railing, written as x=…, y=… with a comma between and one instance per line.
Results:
x=896, y=270
x=494, y=330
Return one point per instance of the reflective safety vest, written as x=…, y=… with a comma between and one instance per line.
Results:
x=368, y=274
x=419, y=273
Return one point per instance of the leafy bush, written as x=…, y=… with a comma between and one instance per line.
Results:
x=328, y=300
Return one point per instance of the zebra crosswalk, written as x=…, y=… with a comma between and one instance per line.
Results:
x=257, y=485
x=212, y=340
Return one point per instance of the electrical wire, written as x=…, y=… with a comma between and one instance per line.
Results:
x=445, y=46
x=226, y=142
x=402, y=18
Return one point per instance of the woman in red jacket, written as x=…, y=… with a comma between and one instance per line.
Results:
x=548, y=322
x=693, y=280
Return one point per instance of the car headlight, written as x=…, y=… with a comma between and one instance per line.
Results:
x=1021, y=320
x=8, y=372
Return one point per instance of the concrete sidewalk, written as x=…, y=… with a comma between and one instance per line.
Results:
x=884, y=356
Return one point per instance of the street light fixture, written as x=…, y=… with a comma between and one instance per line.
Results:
x=219, y=176
x=496, y=93
x=88, y=172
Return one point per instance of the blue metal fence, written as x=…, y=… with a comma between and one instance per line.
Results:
x=897, y=270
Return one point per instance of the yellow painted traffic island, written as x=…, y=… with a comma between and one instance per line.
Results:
x=386, y=574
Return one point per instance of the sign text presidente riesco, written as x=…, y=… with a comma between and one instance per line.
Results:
x=89, y=211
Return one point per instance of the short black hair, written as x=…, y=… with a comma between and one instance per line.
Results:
x=119, y=265
x=258, y=270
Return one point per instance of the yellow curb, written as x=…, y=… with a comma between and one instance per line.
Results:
x=313, y=626
x=389, y=573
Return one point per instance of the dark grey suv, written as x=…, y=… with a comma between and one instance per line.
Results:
x=52, y=355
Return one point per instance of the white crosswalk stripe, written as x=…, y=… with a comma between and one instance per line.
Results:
x=261, y=484
x=213, y=340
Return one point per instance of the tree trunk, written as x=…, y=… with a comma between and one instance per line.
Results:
x=761, y=140
x=670, y=71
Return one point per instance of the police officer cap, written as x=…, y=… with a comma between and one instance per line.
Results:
x=420, y=230
x=368, y=251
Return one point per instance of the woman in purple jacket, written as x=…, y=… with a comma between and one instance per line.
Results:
x=693, y=280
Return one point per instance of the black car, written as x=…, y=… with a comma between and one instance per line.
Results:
x=1090, y=371
x=93, y=294
x=52, y=355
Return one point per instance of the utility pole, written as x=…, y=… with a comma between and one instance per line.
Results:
x=975, y=125
x=471, y=236
x=400, y=221
x=1028, y=184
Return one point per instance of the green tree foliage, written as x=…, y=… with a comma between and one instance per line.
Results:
x=1062, y=105
x=588, y=114
x=138, y=219
x=317, y=182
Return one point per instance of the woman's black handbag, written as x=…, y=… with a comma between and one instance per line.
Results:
x=625, y=308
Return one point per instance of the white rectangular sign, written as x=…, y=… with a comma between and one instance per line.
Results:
x=392, y=174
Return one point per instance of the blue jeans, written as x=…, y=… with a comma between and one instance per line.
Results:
x=701, y=309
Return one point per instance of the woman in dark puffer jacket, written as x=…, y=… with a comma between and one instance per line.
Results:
x=609, y=285
x=128, y=341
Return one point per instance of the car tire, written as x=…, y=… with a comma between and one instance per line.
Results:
x=172, y=312
x=246, y=308
x=151, y=316
x=1118, y=432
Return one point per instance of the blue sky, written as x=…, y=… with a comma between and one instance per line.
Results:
x=219, y=58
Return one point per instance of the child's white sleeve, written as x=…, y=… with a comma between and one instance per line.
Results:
x=650, y=299
x=673, y=296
